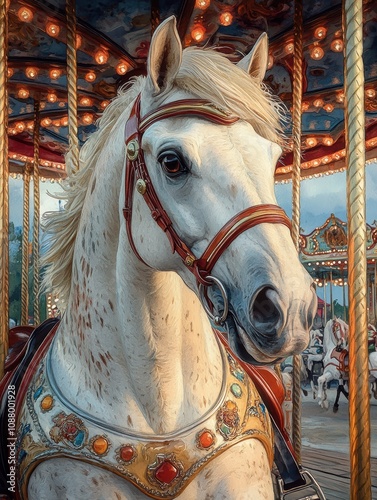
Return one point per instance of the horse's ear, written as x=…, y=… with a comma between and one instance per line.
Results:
x=165, y=56
x=255, y=62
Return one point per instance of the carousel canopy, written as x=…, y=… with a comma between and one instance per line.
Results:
x=112, y=46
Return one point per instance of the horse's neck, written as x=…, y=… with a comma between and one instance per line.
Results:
x=134, y=347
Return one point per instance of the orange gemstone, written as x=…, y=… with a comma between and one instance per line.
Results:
x=47, y=402
x=100, y=445
x=206, y=439
x=230, y=405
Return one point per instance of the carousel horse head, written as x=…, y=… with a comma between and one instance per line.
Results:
x=196, y=192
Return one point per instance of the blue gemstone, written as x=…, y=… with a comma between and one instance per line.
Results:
x=262, y=407
x=79, y=438
x=38, y=392
x=239, y=375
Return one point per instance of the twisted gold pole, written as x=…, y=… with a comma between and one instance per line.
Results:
x=360, y=484
x=25, y=249
x=4, y=188
x=72, y=83
x=296, y=134
x=36, y=215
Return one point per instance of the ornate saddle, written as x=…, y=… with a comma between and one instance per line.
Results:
x=24, y=342
x=342, y=358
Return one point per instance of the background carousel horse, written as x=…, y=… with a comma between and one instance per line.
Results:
x=313, y=359
x=372, y=345
x=135, y=396
x=335, y=360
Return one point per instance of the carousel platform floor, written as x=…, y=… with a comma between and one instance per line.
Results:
x=325, y=445
x=331, y=470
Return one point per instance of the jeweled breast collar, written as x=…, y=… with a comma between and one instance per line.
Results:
x=160, y=466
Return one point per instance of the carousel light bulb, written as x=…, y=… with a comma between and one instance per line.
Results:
x=202, y=4
x=46, y=122
x=305, y=106
x=31, y=72
x=30, y=125
x=52, y=29
x=320, y=32
x=64, y=121
x=318, y=103
x=198, y=32
x=25, y=14
x=122, y=68
x=23, y=93
x=311, y=142
x=87, y=119
x=226, y=18
x=328, y=141
x=56, y=123
x=317, y=53
x=85, y=101
x=78, y=41
x=20, y=127
x=52, y=97
x=101, y=56
x=55, y=73
x=10, y=72
x=326, y=159
x=337, y=45
x=90, y=76
x=370, y=93
x=328, y=107
x=270, y=61
x=339, y=96
x=289, y=47
x=104, y=104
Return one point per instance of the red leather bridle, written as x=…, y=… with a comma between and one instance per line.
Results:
x=137, y=175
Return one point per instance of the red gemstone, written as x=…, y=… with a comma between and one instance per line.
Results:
x=127, y=453
x=166, y=472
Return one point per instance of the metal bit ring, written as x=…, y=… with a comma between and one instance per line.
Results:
x=218, y=319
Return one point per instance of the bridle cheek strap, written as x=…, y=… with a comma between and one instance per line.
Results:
x=137, y=175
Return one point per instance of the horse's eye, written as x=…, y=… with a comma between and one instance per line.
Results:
x=172, y=165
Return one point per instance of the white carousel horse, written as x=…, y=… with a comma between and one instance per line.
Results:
x=335, y=361
x=314, y=359
x=135, y=397
x=372, y=341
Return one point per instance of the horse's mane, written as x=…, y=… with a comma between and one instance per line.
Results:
x=204, y=73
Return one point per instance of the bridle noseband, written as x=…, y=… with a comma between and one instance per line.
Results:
x=137, y=175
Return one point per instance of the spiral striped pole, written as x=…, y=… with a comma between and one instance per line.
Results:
x=4, y=188
x=360, y=484
x=36, y=215
x=72, y=83
x=25, y=248
x=296, y=175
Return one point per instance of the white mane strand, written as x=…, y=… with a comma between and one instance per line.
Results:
x=204, y=73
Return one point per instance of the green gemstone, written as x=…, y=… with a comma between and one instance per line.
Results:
x=225, y=429
x=236, y=390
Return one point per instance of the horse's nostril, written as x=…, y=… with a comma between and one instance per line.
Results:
x=264, y=314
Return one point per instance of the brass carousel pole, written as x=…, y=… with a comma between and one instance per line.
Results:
x=296, y=133
x=36, y=215
x=25, y=249
x=72, y=83
x=4, y=188
x=360, y=484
